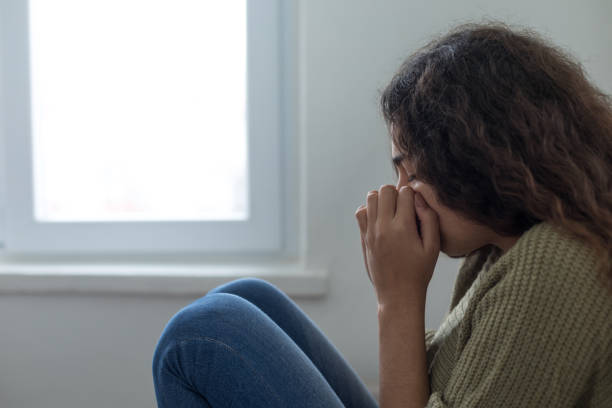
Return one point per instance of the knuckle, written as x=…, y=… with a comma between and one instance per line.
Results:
x=370, y=240
x=387, y=187
x=399, y=230
x=382, y=238
x=405, y=190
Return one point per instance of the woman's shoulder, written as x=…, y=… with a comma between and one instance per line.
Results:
x=537, y=311
x=549, y=255
x=553, y=275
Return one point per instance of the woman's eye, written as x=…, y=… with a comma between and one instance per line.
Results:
x=411, y=178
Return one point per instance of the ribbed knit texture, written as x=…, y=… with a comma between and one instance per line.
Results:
x=529, y=328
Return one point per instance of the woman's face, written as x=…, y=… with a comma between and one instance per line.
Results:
x=458, y=236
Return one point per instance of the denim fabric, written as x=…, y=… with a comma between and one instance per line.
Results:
x=247, y=344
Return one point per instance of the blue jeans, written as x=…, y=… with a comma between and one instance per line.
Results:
x=247, y=344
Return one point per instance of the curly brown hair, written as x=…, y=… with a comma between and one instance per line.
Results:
x=509, y=131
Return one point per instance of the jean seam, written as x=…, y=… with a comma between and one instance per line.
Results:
x=185, y=384
x=210, y=339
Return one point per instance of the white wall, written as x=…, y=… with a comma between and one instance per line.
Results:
x=95, y=351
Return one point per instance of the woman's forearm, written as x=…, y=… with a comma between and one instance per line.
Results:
x=403, y=364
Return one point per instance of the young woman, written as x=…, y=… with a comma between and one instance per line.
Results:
x=503, y=151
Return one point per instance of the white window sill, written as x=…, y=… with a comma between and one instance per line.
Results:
x=154, y=279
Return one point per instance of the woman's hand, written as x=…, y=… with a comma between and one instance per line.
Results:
x=399, y=262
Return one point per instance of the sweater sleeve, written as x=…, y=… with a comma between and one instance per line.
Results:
x=534, y=340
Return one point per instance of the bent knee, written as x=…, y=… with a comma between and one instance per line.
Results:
x=208, y=316
x=220, y=317
x=248, y=286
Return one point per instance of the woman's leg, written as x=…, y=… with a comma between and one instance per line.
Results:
x=305, y=333
x=222, y=351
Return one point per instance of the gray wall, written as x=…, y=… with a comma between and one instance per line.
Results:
x=95, y=350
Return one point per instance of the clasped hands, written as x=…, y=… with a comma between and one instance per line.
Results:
x=399, y=261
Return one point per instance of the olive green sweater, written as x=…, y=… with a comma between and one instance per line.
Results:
x=529, y=328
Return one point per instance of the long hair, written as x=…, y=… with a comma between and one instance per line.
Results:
x=509, y=131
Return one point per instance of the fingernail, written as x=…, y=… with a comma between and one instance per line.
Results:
x=418, y=201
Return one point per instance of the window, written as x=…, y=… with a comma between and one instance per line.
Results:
x=139, y=126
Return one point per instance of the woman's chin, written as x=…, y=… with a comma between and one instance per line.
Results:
x=453, y=253
x=454, y=256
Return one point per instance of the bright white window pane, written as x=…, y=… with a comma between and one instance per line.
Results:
x=139, y=110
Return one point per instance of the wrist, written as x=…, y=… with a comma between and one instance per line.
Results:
x=411, y=305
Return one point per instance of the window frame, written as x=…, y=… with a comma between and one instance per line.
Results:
x=263, y=232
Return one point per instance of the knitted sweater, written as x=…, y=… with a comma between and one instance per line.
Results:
x=529, y=328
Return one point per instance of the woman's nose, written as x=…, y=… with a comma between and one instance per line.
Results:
x=402, y=179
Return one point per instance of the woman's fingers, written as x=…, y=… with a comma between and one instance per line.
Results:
x=361, y=216
x=362, y=220
x=405, y=208
x=365, y=258
x=386, y=202
x=430, y=228
x=372, y=209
